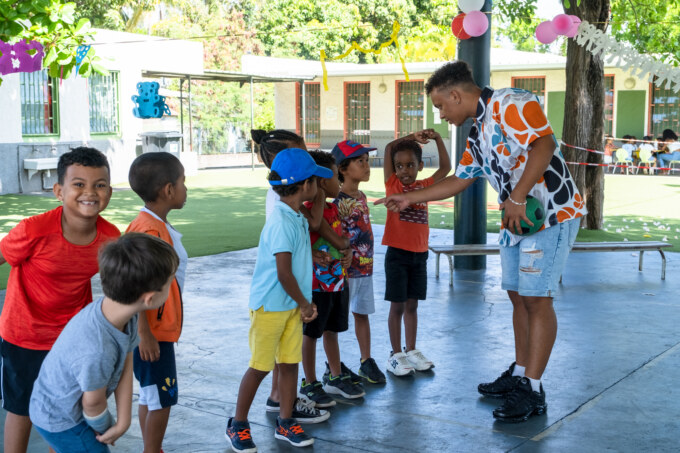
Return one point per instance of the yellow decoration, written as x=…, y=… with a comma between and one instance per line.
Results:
x=355, y=46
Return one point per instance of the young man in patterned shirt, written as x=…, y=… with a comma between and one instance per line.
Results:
x=511, y=144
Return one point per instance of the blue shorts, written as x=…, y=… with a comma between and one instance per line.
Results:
x=20, y=368
x=79, y=439
x=157, y=380
x=533, y=267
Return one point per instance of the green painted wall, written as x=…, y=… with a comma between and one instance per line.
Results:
x=442, y=128
x=556, y=112
x=630, y=113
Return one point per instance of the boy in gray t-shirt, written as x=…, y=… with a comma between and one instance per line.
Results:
x=92, y=358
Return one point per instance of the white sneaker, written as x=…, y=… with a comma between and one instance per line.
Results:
x=399, y=365
x=418, y=360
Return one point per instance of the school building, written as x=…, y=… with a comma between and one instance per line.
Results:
x=375, y=104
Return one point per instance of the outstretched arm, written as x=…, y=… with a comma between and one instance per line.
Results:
x=444, y=159
x=446, y=188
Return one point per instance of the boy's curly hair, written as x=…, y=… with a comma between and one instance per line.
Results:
x=408, y=145
x=150, y=172
x=82, y=155
x=288, y=189
x=452, y=73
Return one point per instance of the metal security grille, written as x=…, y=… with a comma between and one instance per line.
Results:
x=665, y=110
x=39, y=104
x=410, y=107
x=312, y=104
x=104, y=103
x=534, y=85
x=358, y=112
x=608, y=104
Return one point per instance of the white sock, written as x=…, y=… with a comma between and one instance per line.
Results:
x=535, y=385
x=518, y=371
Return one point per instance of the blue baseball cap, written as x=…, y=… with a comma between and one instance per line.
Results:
x=295, y=165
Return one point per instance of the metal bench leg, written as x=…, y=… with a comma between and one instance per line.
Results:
x=436, y=268
x=663, y=265
x=642, y=252
x=450, y=269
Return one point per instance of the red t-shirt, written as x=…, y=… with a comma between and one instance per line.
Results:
x=49, y=282
x=408, y=229
x=329, y=278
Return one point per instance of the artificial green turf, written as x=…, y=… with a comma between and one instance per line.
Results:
x=225, y=210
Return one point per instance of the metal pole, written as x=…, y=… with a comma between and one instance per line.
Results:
x=181, y=110
x=252, y=125
x=191, y=127
x=303, y=129
x=469, y=212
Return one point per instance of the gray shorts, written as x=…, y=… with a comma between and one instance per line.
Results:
x=361, y=299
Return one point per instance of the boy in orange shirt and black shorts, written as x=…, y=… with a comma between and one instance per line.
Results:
x=406, y=237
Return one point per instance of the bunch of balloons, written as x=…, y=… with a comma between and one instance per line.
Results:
x=471, y=22
x=562, y=24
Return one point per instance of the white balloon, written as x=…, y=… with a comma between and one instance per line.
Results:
x=470, y=5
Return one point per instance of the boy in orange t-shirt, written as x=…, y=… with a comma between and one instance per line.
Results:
x=406, y=237
x=53, y=257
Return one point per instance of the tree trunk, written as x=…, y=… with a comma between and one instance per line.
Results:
x=584, y=113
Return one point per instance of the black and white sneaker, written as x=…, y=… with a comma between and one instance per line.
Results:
x=305, y=411
x=521, y=403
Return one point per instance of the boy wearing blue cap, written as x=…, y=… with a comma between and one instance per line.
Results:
x=280, y=296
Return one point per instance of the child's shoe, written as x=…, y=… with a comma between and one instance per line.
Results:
x=502, y=386
x=315, y=392
x=399, y=365
x=305, y=411
x=342, y=385
x=288, y=429
x=369, y=370
x=418, y=360
x=521, y=403
x=238, y=433
x=344, y=369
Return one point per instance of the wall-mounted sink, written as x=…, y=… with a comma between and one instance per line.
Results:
x=34, y=165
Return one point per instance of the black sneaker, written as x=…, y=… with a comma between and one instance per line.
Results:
x=315, y=392
x=369, y=370
x=238, y=433
x=344, y=369
x=288, y=429
x=521, y=403
x=502, y=386
x=342, y=385
x=305, y=411
x=272, y=406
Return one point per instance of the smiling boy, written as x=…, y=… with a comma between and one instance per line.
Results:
x=53, y=257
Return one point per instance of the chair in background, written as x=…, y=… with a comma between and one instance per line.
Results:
x=622, y=160
x=646, y=160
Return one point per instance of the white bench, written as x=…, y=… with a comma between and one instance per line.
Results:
x=494, y=249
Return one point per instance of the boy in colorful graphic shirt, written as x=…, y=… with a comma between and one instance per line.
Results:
x=353, y=168
x=406, y=237
x=511, y=144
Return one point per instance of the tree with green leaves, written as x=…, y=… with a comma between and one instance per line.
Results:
x=53, y=24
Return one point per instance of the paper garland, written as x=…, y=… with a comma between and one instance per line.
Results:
x=355, y=46
x=15, y=57
x=597, y=42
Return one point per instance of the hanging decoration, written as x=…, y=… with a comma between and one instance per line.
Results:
x=355, y=46
x=597, y=42
x=467, y=6
x=562, y=24
x=475, y=23
x=457, y=27
x=471, y=22
x=149, y=104
x=16, y=57
x=80, y=56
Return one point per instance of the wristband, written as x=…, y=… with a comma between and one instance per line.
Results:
x=100, y=423
x=516, y=203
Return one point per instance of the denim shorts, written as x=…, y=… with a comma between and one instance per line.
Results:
x=533, y=267
x=79, y=439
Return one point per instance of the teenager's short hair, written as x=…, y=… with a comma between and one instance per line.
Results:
x=150, y=172
x=668, y=134
x=452, y=73
x=273, y=142
x=288, y=189
x=323, y=158
x=135, y=264
x=82, y=155
x=408, y=145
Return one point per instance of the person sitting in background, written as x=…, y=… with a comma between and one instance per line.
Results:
x=647, y=146
x=670, y=151
x=609, y=149
x=629, y=146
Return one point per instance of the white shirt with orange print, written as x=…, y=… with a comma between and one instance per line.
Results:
x=508, y=121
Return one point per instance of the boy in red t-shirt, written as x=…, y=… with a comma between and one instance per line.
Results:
x=406, y=237
x=53, y=257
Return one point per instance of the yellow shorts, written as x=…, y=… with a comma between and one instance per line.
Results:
x=274, y=337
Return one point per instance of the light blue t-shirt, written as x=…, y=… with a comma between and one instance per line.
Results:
x=284, y=231
x=88, y=355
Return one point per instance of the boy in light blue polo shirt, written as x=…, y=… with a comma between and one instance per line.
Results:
x=280, y=296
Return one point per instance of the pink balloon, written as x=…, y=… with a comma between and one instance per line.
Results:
x=475, y=23
x=562, y=23
x=545, y=33
x=574, y=27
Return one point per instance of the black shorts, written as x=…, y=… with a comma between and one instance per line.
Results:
x=20, y=368
x=333, y=311
x=405, y=275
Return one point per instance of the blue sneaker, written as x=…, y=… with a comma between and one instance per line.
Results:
x=288, y=429
x=238, y=433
